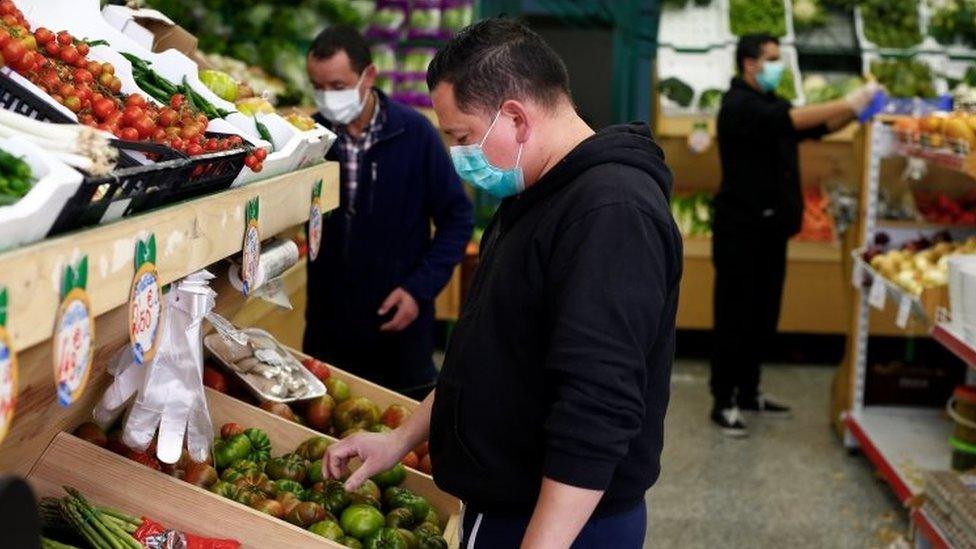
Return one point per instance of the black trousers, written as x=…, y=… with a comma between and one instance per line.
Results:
x=750, y=268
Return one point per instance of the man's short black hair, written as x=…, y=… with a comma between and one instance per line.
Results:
x=499, y=59
x=343, y=38
x=750, y=47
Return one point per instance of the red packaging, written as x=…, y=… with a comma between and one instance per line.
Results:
x=153, y=535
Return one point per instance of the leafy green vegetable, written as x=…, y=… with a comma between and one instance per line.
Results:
x=904, y=77
x=787, y=87
x=693, y=214
x=15, y=178
x=677, y=91
x=954, y=21
x=757, y=16
x=710, y=100
x=891, y=23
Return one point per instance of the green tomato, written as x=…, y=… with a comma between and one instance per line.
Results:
x=427, y=530
x=230, y=450
x=408, y=537
x=352, y=542
x=224, y=489
x=288, y=467
x=328, y=529
x=384, y=538
x=313, y=448
x=431, y=542
x=314, y=472
x=391, y=477
x=260, y=445
x=401, y=517
x=369, y=488
x=285, y=485
x=360, y=520
x=432, y=517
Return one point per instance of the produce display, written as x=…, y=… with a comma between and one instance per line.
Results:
x=818, y=222
x=292, y=487
x=57, y=63
x=891, y=23
x=904, y=77
x=818, y=89
x=938, y=207
x=676, y=90
x=15, y=178
x=267, y=368
x=757, y=17
x=249, y=79
x=693, y=214
x=457, y=15
x=953, y=131
x=71, y=522
x=917, y=264
x=163, y=90
x=953, y=21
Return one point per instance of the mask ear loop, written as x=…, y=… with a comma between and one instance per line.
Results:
x=492, y=125
x=518, y=157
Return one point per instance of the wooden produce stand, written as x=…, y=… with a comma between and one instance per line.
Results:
x=191, y=236
x=814, y=300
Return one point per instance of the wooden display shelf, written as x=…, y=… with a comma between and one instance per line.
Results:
x=701, y=247
x=681, y=126
x=190, y=236
x=110, y=480
x=286, y=435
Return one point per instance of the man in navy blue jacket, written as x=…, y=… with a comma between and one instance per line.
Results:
x=371, y=288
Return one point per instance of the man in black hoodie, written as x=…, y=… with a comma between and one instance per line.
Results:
x=549, y=410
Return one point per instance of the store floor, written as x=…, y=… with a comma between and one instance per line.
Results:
x=789, y=484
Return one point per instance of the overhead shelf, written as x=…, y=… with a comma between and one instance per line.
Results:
x=190, y=236
x=902, y=443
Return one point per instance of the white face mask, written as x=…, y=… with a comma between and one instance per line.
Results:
x=341, y=106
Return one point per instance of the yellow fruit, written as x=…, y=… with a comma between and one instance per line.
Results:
x=252, y=105
x=957, y=128
x=932, y=124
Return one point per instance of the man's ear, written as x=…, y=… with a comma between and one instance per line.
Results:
x=520, y=116
x=369, y=76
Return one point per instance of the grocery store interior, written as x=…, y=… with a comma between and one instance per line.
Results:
x=203, y=207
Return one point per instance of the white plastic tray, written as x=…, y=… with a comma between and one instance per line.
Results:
x=700, y=70
x=29, y=219
x=695, y=27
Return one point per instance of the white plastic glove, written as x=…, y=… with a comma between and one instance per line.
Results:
x=860, y=98
x=129, y=378
x=172, y=398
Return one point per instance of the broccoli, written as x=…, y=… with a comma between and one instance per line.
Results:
x=677, y=91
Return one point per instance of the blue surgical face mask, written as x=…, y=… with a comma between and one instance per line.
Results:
x=472, y=166
x=771, y=74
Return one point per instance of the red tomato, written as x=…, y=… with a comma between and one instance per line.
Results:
x=94, y=67
x=52, y=48
x=251, y=161
x=177, y=143
x=83, y=76
x=194, y=150
x=4, y=37
x=214, y=379
x=26, y=63
x=260, y=154
x=29, y=42
x=82, y=48
x=64, y=38
x=13, y=52
x=129, y=134
x=102, y=108
x=159, y=135
x=83, y=92
x=189, y=132
x=73, y=103
x=66, y=90
x=135, y=100
x=210, y=144
x=131, y=114
x=10, y=21
x=43, y=35
x=69, y=54
x=145, y=126
x=176, y=101
x=7, y=7
x=167, y=117
x=87, y=119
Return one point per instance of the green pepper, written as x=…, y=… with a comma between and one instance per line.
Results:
x=224, y=489
x=230, y=450
x=260, y=445
x=313, y=448
x=286, y=467
x=401, y=517
x=385, y=538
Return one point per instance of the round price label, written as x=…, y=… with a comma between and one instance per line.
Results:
x=74, y=331
x=314, y=230
x=8, y=382
x=145, y=312
x=252, y=253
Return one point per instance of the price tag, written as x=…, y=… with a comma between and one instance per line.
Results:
x=904, y=308
x=315, y=222
x=74, y=331
x=145, y=305
x=857, y=275
x=8, y=371
x=878, y=293
x=252, y=246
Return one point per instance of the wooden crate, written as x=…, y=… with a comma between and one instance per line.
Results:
x=112, y=480
x=358, y=386
x=286, y=436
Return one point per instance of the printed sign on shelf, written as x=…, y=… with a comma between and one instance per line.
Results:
x=904, y=308
x=315, y=222
x=8, y=371
x=252, y=246
x=879, y=291
x=145, y=303
x=74, y=332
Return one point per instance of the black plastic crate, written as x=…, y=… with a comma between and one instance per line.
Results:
x=209, y=173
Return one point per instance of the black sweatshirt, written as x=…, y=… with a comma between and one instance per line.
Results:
x=560, y=362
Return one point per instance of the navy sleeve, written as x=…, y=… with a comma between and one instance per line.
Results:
x=451, y=211
x=608, y=288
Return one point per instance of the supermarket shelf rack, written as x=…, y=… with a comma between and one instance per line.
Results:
x=901, y=442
